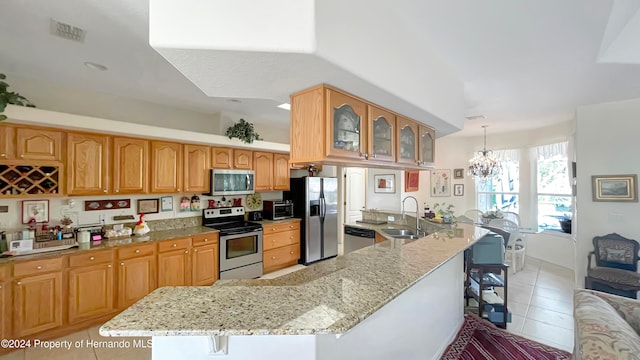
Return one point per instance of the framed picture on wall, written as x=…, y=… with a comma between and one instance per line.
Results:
x=384, y=183
x=440, y=183
x=148, y=206
x=458, y=189
x=411, y=180
x=35, y=211
x=614, y=188
x=458, y=173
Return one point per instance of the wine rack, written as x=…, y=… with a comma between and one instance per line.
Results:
x=24, y=180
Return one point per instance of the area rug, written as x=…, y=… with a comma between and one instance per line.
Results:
x=479, y=339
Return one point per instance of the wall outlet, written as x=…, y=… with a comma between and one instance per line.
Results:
x=391, y=218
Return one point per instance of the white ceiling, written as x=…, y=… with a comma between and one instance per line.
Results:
x=524, y=64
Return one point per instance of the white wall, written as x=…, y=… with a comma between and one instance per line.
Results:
x=607, y=144
x=384, y=201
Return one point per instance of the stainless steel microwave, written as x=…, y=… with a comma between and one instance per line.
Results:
x=277, y=210
x=232, y=182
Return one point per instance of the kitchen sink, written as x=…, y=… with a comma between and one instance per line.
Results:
x=400, y=233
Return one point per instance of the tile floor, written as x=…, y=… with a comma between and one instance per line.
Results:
x=540, y=299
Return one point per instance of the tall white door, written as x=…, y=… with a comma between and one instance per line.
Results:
x=355, y=196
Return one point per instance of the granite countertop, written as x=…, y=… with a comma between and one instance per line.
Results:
x=329, y=297
x=115, y=242
x=272, y=222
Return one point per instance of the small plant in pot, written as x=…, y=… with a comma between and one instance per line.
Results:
x=10, y=97
x=565, y=224
x=244, y=131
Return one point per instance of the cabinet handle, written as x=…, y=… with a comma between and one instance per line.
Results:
x=121, y=264
x=205, y=239
x=109, y=265
x=174, y=245
x=273, y=258
x=39, y=267
x=291, y=237
x=186, y=189
x=0, y=286
x=274, y=229
x=22, y=155
x=178, y=189
x=137, y=251
x=92, y=258
x=374, y=156
x=274, y=240
x=291, y=226
x=18, y=283
x=186, y=251
x=3, y=155
x=104, y=191
x=117, y=190
x=291, y=252
x=417, y=162
x=195, y=250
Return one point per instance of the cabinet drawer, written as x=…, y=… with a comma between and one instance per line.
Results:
x=272, y=241
x=205, y=239
x=281, y=255
x=174, y=244
x=90, y=258
x=35, y=267
x=129, y=252
x=275, y=228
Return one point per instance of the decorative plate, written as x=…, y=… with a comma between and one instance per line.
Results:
x=254, y=201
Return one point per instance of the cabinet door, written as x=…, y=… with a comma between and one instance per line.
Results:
x=37, y=144
x=281, y=171
x=427, y=146
x=347, y=136
x=407, y=141
x=37, y=303
x=90, y=292
x=136, y=279
x=173, y=268
x=242, y=159
x=197, y=160
x=7, y=145
x=205, y=268
x=263, y=167
x=166, y=167
x=381, y=133
x=130, y=166
x=222, y=158
x=87, y=169
x=5, y=310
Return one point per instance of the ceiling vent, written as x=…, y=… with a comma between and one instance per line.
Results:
x=67, y=31
x=476, y=117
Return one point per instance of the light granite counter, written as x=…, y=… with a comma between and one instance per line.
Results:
x=329, y=297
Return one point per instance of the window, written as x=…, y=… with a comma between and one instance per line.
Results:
x=501, y=192
x=553, y=186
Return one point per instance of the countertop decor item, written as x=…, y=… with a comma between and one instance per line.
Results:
x=484, y=165
x=10, y=97
x=244, y=131
x=141, y=226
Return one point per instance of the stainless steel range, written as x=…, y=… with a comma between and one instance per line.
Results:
x=240, y=242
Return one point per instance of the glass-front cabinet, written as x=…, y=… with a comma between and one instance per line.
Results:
x=347, y=133
x=427, y=146
x=407, y=141
x=381, y=134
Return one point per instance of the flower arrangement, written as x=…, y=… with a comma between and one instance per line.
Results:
x=244, y=131
x=492, y=214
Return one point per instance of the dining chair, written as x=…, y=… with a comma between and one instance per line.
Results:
x=510, y=215
x=516, y=246
x=475, y=215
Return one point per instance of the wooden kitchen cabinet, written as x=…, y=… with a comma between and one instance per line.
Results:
x=280, y=245
x=38, y=144
x=136, y=273
x=88, y=164
x=242, y=159
x=130, y=166
x=5, y=303
x=174, y=268
x=263, y=167
x=197, y=162
x=90, y=285
x=407, y=141
x=38, y=303
x=427, y=146
x=221, y=158
x=381, y=134
x=205, y=268
x=281, y=172
x=166, y=167
x=7, y=142
x=347, y=135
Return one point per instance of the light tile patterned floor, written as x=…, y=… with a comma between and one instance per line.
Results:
x=540, y=299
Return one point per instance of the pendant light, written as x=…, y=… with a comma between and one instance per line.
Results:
x=484, y=165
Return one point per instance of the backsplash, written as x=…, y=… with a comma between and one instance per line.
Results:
x=169, y=224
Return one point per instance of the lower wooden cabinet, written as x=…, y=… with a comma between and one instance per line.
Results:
x=90, y=291
x=5, y=310
x=173, y=268
x=136, y=279
x=205, y=268
x=281, y=245
x=37, y=304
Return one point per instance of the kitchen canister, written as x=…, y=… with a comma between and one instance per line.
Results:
x=83, y=237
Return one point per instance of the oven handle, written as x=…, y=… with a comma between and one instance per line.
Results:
x=240, y=234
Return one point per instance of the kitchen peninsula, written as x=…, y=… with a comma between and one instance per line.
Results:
x=396, y=299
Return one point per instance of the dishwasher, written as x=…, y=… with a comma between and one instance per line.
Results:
x=357, y=238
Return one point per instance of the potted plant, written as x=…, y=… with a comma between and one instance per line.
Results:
x=444, y=211
x=10, y=97
x=565, y=224
x=492, y=214
x=244, y=131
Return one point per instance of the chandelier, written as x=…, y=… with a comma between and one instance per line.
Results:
x=484, y=165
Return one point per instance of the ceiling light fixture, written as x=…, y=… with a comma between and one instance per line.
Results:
x=285, y=106
x=484, y=165
x=95, y=66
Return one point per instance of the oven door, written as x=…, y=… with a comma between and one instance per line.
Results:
x=239, y=250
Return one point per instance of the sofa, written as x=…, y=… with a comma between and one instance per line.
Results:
x=606, y=326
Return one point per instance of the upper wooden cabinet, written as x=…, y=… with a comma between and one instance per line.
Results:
x=427, y=146
x=281, y=172
x=130, y=166
x=347, y=135
x=407, y=141
x=166, y=167
x=7, y=142
x=88, y=164
x=242, y=159
x=381, y=131
x=197, y=161
x=263, y=167
x=38, y=144
x=222, y=158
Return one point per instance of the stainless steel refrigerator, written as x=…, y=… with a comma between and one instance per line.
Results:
x=315, y=201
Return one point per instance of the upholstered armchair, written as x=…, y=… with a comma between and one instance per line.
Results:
x=616, y=270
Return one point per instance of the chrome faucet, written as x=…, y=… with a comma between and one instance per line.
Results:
x=417, y=213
